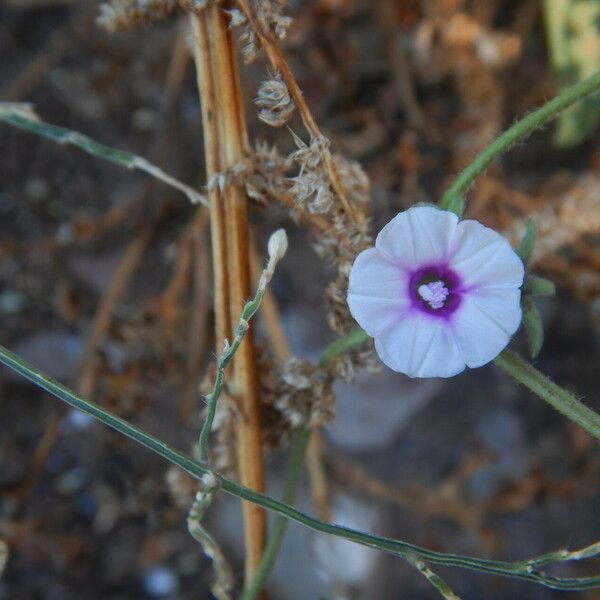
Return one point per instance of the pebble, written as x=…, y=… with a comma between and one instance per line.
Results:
x=160, y=581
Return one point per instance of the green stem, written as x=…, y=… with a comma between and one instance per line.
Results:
x=343, y=344
x=22, y=116
x=250, y=309
x=522, y=371
x=454, y=199
x=337, y=348
x=521, y=570
x=269, y=556
x=547, y=390
x=434, y=579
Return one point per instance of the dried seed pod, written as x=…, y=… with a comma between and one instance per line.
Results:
x=274, y=102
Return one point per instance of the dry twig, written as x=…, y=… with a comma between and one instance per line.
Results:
x=226, y=144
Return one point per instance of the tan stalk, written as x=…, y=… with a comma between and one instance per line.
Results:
x=280, y=66
x=225, y=145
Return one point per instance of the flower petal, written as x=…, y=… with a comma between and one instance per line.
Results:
x=418, y=236
x=485, y=322
x=377, y=293
x=420, y=346
x=482, y=257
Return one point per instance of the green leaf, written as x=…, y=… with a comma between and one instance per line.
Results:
x=24, y=117
x=532, y=321
x=573, y=31
x=538, y=286
x=525, y=248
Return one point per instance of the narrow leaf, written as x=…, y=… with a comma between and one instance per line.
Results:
x=525, y=248
x=538, y=286
x=24, y=117
x=532, y=321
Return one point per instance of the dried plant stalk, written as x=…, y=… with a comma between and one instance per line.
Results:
x=280, y=66
x=226, y=144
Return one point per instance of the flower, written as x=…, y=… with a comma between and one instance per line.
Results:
x=437, y=294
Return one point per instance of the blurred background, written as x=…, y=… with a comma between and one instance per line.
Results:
x=102, y=278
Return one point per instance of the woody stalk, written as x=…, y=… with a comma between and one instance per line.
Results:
x=225, y=144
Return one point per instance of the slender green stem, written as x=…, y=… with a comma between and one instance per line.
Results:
x=454, y=199
x=23, y=117
x=224, y=578
x=522, y=371
x=547, y=390
x=222, y=362
x=434, y=579
x=337, y=348
x=343, y=344
x=522, y=570
x=277, y=248
x=269, y=556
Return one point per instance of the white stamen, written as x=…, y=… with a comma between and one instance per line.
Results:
x=434, y=293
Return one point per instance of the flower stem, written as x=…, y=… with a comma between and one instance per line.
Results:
x=301, y=443
x=275, y=539
x=526, y=570
x=561, y=399
x=436, y=581
x=343, y=344
x=547, y=390
x=454, y=200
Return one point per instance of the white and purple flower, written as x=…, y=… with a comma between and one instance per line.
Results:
x=436, y=293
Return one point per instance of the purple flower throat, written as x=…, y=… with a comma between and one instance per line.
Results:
x=435, y=289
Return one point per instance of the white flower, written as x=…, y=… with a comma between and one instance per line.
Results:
x=437, y=294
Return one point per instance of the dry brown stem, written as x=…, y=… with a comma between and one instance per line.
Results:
x=225, y=145
x=280, y=66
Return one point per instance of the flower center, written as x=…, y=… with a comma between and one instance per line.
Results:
x=434, y=293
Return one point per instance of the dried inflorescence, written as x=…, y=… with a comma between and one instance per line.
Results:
x=272, y=20
x=268, y=177
x=126, y=14
x=344, y=238
x=297, y=394
x=362, y=358
x=274, y=102
x=270, y=14
x=311, y=188
x=123, y=15
x=249, y=44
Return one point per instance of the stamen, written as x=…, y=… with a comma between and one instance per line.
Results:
x=434, y=293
